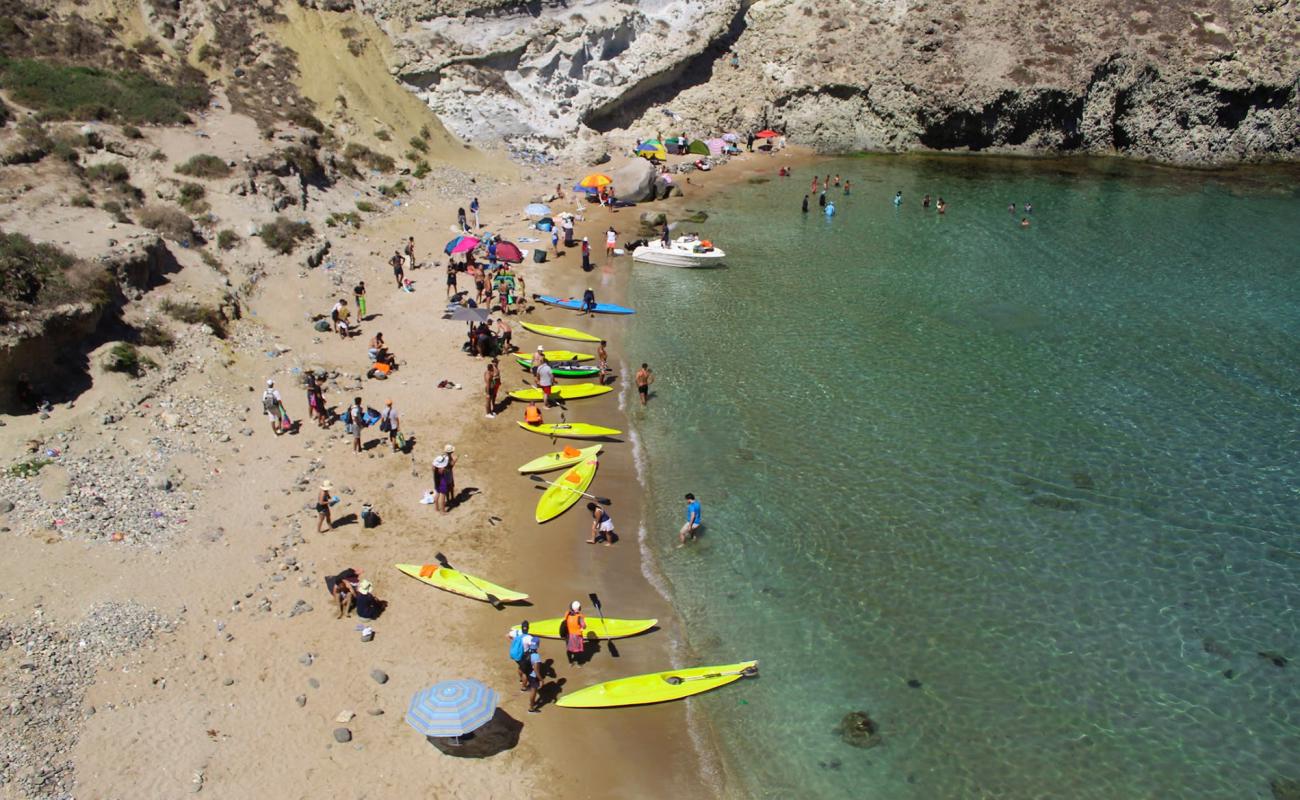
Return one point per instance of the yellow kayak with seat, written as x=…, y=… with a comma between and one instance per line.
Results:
x=449, y=580
x=560, y=458
x=574, y=391
x=566, y=491
x=559, y=332
x=557, y=356
x=597, y=628
x=570, y=430
x=657, y=687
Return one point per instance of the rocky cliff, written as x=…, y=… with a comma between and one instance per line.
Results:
x=1200, y=83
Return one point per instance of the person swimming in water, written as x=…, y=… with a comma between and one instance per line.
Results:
x=925, y=201
x=846, y=185
x=805, y=204
x=1024, y=222
x=898, y=198
x=821, y=199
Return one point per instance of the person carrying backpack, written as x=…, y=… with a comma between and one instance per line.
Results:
x=273, y=407
x=518, y=649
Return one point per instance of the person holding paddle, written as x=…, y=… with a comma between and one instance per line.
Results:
x=575, y=633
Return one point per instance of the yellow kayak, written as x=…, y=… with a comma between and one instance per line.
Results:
x=657, y=687
x=562, y=494
x=576, y=391
x=559, y=332
x=459, y=583
x=557, y=356
x=561, y=458
x=596, y=627
x=570, y=430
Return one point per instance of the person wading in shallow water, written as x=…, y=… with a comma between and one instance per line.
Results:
x=644, y=377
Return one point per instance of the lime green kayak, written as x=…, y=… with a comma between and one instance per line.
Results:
x=570, y=430
x=557, y=356
x=575, y=391
x=566, y=491
x=597, y=628
x=450, y=580
x=657, y=687
x=560, y=458
x=559, y=332
x=562, y=369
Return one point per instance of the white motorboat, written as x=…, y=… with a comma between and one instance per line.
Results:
x=690, y=252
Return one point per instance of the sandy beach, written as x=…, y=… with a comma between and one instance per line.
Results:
x=238, y=680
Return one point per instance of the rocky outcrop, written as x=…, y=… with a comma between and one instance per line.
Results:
x=1208, y=83
x=635, y=181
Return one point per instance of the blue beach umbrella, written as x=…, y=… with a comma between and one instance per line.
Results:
x=461, y=244
x=578, y=187
x=451, y=708
x=538, y=210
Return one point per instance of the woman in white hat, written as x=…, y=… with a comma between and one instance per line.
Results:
x=450, y=452
x=575, y=633
x=441, y=482
x=323, y=499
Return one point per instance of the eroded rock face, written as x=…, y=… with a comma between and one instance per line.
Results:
x=1205, y=83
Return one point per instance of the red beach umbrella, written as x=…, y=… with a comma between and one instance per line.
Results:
x=766, y=133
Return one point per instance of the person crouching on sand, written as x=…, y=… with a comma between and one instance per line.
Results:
x=602, y=525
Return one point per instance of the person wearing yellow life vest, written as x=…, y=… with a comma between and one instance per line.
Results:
x=575, y=633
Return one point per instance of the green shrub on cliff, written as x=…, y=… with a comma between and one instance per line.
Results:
x=283, y=234
x=29, y=271
x=205, y=165
x=65, y=92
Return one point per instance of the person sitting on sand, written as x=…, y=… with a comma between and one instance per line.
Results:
x=533, y=414
x=379, y=351
x=368, y=606
x=342, y=587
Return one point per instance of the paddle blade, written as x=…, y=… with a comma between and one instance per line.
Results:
x=595, y=601
x=441, y=559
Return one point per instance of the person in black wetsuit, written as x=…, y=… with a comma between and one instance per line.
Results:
x=805, y=204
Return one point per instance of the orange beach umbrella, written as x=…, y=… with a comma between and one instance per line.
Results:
x=596, y=181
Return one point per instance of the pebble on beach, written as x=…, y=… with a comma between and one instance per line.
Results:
x=379, y=675
x=342, y=735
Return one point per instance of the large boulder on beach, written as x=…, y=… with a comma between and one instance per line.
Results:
x=635, y=181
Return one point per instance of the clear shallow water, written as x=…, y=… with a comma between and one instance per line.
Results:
x=1051, y=474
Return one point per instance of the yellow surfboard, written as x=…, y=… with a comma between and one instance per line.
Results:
x=560, y=333
x=573, y=391
x=449, y=580
x=562, y=494
x=657, y=687
x=560, y=458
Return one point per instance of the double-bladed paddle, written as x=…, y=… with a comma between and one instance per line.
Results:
x=604, y=501
x=595, y=601
x=747, y=672
x=491, y=598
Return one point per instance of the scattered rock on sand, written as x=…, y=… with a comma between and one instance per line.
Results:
x=300, y=607
x=342, y=735
x=306, y=659
x=379, y=675
x=301, y=700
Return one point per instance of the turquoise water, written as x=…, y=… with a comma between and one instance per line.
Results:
x=1049, y=476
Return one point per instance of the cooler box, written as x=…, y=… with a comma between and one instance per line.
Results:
x=539, y=255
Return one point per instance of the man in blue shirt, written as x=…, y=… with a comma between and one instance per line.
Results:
x=693, y=519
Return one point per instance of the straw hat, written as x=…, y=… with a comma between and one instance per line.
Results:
x=364, y=587
x=440, y=462
x=449, y=449
x=326, y=485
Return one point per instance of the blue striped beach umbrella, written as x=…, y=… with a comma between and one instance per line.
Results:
x=451, y=708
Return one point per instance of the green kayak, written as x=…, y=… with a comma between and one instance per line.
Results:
x=569, y=369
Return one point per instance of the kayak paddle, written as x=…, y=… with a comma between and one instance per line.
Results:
x=748, y=672
x=595, y=601
x=604, y=501
x=491, y=598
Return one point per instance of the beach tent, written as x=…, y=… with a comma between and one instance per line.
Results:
x=509, y=252
x=652, y=150
x=699, y=148
x=716, y=146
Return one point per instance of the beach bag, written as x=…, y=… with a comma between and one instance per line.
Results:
x=385, y=425
x=401, y=441
x=517, y=647
x=370, y=418
x=369, y=519
x=322, y=325
x=285, y=422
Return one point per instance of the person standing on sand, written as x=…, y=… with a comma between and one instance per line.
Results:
x=359, y=292
x=555, y=241
x=575, y=634
x=410, y=251
x=611, y=241
x=545, y=381
x=274, y=407
x=492, y=385
x=356, y=418
x=460, y=221
x=602, y=525
x=534, y=675
x=567, y=224
x=451, y=279
x=450, y=452
x=473, y=209
x=390, y=423
x=586, y=255
x=588, y=303
x=519, y=641
x=505, y=335
x=693, y=520
x=323, y=501
x=398, y=272
x=644, y=377
x=602, y=361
